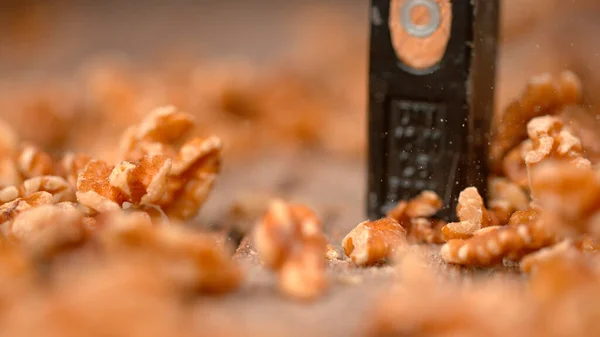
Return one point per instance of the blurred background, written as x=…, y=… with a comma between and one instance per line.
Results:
x=282, y=82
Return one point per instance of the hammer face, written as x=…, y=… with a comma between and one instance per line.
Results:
x=430, y=99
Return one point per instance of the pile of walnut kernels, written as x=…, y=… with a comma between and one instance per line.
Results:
x=74, y=225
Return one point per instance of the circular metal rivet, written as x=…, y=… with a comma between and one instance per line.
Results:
x=420, y=30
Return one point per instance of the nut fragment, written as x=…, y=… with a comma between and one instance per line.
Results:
x=162, y=126
x=194, y=172
x=141, y=182
x=195, y=164
x=472, y=215
x=191, y=260
x=505, y=197
x=490, y=247
x=423, y=230
x=71, y=165
x=33, y=162
x=57, y=186
x=569, y=196
x=331, y=254
x=549, y=139
x=557, y=271
x=502, y=189
x=459, y=230
x=538, y=259
x=514, y=167
x=424, y=205
x=10, y=210
x=374, y=242
x=47, y=229
x=525, y=216
x=500, y=212
x=289, y=240
x=544, y=95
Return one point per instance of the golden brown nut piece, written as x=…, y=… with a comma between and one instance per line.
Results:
x=10, y=210
x=505, y=197
x=544, y=95
x=424, y=230
x=373, y=242
x=71, y=165
x=57, y=186
x=123, y=297
x=331, y=254
x=289, y=240
x=472, y=215
x=426, y=304
x=414, y=216
x=190, y=260
x=142, y=182
x=48, y=229
x=558, y=271
x=33, y=162
x=195, y=164
x=424, y=205
x=569, y=196
x=550, y=139
x=539, y=259
x=491, y=246
x=503, y=190
x=524, y=216
x=514, y=167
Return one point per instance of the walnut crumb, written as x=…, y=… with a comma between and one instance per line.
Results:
x=289, y=240
x=373, y=242
x=472, y=215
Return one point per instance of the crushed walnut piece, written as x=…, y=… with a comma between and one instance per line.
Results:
x=57, y=186
x=494, y=244
x=418, y=211
x=545, y=94
x=428, y=231
x=424, y=205
x=569, y=196
x=373, y=242
x=472, y=215
x=10, y=210
x=490, y=246
x=331, y=254
x=191, y=260
x=289, y=240
x=48, y=229
x=504, y=190
x=426, y=302
x=514, y=167
x=142, y=182
x=537, y=260
x=195, y=164
x=33, y=162
x=554, y=272
x=525, y=216
x=505, y=197
x=192, y=177
x=71, y=165
x=550, y=139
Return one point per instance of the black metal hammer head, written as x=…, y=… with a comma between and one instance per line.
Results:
x=431, y=91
